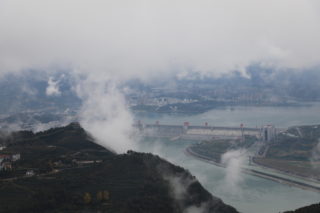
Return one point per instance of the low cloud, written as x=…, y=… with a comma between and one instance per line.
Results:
x=315, y=157
x=234, y=160
x=105, y=115
x=53, y=88
x=150, y=38
x=203, y=208
x=179, y=191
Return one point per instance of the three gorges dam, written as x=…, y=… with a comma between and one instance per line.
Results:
x=186, y=131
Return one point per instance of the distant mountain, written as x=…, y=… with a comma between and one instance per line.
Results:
x=258, y=85
x=63, y=170
x=35, y=90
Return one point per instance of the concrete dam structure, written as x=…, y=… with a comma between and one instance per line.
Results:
x=189, y=132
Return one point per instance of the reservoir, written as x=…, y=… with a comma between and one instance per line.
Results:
x=250, y=116
x=248, y=193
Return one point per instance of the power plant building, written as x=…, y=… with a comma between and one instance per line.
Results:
x=268, y=133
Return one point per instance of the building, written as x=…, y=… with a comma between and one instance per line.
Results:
x=268, y=133
x=6, y=161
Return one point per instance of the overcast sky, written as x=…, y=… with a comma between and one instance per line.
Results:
x=112, y=40
x=130, y=38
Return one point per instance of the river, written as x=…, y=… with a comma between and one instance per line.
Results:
x=249, y=194
x=249, y=116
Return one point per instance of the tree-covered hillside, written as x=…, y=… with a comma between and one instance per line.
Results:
x=70, y=173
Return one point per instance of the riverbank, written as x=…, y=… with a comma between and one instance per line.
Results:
x=263, y=173
x=286, y=170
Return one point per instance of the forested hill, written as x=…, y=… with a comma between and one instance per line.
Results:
x=63, y=170
x=315, y=208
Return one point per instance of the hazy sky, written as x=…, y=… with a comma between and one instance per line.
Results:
x=130, y=38
x=112, y=40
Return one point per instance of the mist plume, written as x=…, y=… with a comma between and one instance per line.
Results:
x=105, y=115
x=234, y=161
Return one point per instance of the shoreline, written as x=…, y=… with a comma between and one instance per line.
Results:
x=306, y=178
x=222, y=105
x=265, y=175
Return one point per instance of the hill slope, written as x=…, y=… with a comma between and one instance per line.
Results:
x=73, y=174
x=315, y=208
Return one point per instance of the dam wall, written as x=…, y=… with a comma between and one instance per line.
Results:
x=195, y=132
x=167, y=131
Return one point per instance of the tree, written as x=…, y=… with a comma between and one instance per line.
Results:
x=105, y=195
x=87, y=198
x=99, y=196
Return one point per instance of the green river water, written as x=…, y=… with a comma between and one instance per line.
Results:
x=250, y=194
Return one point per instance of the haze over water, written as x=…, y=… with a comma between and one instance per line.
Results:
x=249, y=116
x=253, y=194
